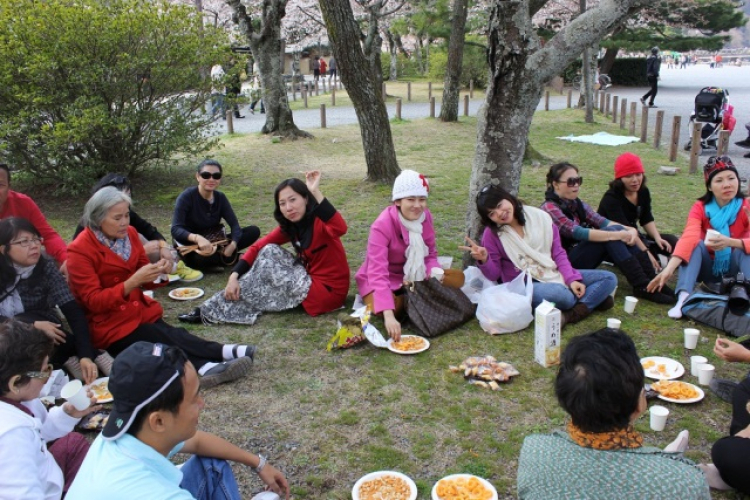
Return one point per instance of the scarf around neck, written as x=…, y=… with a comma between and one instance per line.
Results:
x=721, y=218
x=612, y=440
x=120, y=246
x=11, y=304
x=532, y=253
x=414, y=268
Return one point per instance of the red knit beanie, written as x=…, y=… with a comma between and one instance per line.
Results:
x=628, y=164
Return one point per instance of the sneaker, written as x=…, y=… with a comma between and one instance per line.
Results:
x=104, y=362
x=643, y=101
x=745, y=143
x=73, y=367
x=226, y=372
x=187, y=274
x=723, y=388
x=652, y=105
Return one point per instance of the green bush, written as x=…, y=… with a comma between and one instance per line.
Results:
x=406, y=68
x=474, y=66
x=89, y=87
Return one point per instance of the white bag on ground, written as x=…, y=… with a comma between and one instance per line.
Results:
x=506, y=308
x=474, y=283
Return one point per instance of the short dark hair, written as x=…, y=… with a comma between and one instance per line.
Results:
x=618, y=186
x=600, y=380
x=9, y=230
x=208, y=162
x=556, y=171
x=118, y=181
x=171, y=398
x=22, y=349
x=4, y=166
x=490, y=196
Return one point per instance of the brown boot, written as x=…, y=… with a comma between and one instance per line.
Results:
x=606, y=305
x=576, y=314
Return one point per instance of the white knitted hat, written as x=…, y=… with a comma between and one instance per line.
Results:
x=410, y=183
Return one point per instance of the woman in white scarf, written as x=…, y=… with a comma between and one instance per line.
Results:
x=519, y=238
x=401, y=247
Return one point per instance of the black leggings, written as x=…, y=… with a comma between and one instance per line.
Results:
x=656, y=251
x=198, y=350
x=654, y=82
x=249, y=235
x=730, y=453
x=63, y=351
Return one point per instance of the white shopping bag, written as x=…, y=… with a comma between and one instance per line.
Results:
x=506, y=308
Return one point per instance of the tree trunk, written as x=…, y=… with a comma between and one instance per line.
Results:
x=451, y=87
x=372, y=45
x=608, y=60
x=266, y=47
x=519, y=66
x=364, y=91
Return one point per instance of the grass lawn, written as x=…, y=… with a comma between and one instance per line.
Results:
x=327, y=418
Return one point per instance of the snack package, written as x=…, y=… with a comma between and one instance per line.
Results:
x=349, y=333
x=485, y=371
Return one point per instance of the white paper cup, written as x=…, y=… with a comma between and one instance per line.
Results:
x=705, y=373
x=614, y=292
x=691, y=337
x=75, y=393
x=613, y=323
x=710, y=234
x=445, y=262
x=695, y=362
x=658, y=418
x=630, y=303
x=437, y=273
x=149, y=294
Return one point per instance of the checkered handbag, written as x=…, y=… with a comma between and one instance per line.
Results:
x=434, y=309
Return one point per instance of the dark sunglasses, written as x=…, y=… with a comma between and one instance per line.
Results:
x=574, y=181
x=208, y=175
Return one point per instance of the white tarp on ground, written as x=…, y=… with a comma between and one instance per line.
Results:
x=602, y=139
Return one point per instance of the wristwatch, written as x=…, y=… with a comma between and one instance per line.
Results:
x=261, y=464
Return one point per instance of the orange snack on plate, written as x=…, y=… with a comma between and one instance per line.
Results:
x=674, y=389
x=384, y=488
x=462, y=488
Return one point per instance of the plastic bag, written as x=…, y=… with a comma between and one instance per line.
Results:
x=474, y=283
x=506, y=308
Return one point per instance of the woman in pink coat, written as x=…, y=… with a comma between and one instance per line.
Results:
x=401, y=247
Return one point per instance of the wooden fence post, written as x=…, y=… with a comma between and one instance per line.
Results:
x=333, y=95
x=723, y=144
x=398, y=108
x=466, y=105
x=408, y=91
x=644, y=124
x=304, y=94
x=658, y=128
x=633, y=116
x=322, y=116
x=384, y=92
x=623, y=113
x=614, y=109
x=546, y=100
x=674, y=144
x=601, y=101
x=317, y=88
x=230, y=122
x=429, y=90
x=432, y=107
x=607, y=103
x=570, y=98
x=695, y=146
x=471, y=88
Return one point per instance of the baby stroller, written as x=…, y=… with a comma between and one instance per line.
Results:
x=713, y=110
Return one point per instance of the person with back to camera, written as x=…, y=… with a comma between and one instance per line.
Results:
x=600, y=385
x=722, y=208
x=29, y=469
x=589, y=238
x=31, y=287
x=520, y=238
x=653, y=64
x=268, y=278
x=110, y=272
x=628, y=201
x=198, y=213
x=401, y=247
x=157, y=404
x=154, y=243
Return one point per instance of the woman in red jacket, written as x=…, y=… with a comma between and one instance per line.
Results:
x=108, y=269
x=268, y=278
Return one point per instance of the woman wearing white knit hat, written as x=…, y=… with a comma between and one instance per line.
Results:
x=401, y=247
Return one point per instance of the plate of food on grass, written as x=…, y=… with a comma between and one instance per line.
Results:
x=661, y=368
x=384, y=484
x=676, y=391
x=409, y=344
x=100, y=388
x=463, y=486
x=186, y=293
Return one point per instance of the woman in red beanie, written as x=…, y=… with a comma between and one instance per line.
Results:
x=628, y=201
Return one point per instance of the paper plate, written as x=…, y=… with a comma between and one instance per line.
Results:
x=697, y=398
x=673, y=369
x=415, y=351
x=100, y=387
x=375, y=475
x=186, y=293
x=484, y=482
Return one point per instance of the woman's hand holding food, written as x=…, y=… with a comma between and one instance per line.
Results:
x=147, y=274
x=578, y=288
x=51, y=330
x=392, y=326
x=232, y=290
x=478, y=253
x=89, y=370
x=731, y=351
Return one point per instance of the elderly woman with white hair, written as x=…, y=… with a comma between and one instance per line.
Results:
x=109, y=270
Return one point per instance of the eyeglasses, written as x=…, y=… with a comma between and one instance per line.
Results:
x=574, y=181
x=28, y=242
x=208, y=175
x=42, y=375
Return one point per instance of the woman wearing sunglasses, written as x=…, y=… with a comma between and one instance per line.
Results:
x=28, y=468
x=589, y=239
x=197, y=220
x=31, y=286
x=520, y=238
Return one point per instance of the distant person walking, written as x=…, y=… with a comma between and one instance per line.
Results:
x=653, y=64
x=316, y=68
x=217, y=89
x=332, y=69
x=323, y=68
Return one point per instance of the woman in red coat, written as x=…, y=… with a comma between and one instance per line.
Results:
x=108, y=269
x=268, y=278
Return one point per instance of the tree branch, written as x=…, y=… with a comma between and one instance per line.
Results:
x=312, y=16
